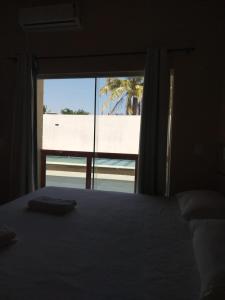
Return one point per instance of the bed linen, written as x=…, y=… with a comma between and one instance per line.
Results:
x=209, y=249
x=201, y=204
x=112, y=246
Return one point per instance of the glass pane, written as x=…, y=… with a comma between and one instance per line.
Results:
x=118, y=108
x=68, y=125
x=114, y=175
x=66, y=171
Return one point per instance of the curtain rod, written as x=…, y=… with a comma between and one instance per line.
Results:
x=185, y=50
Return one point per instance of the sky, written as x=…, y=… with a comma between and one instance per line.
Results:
x=72, y=93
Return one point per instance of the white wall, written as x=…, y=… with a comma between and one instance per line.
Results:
x=115, y=134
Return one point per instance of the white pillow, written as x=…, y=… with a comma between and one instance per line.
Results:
x=209, y=251
x=198, y=204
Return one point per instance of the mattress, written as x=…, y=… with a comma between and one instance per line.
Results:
x=112, y=246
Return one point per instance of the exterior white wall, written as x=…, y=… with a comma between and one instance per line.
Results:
x=115, y=134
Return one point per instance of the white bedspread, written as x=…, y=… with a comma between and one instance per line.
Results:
x=112, y=246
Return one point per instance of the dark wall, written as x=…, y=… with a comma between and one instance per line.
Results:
x=114, y=26
x=198, y=86
x=222, y=116
x=129, y=26
x=7, y=87
x=221, y=143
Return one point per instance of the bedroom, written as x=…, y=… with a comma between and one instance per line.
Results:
x=199, y=99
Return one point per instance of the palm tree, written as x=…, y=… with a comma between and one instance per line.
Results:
x=126, y=90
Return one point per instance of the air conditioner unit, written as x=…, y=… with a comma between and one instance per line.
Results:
x=50, y=18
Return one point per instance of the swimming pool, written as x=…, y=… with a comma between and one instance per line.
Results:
x=99, y=162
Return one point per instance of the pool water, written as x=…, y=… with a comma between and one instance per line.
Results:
x=98, y=161
x=106, y=182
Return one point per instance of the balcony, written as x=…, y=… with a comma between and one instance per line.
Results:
x=90, y=170
x=90, y=136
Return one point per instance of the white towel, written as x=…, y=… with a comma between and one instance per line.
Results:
x=51, y=205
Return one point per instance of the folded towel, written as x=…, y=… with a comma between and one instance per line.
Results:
x=51, y=205
x=7, y=236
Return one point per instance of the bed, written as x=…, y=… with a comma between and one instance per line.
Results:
x=112, y=246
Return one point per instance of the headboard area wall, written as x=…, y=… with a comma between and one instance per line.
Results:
x=221, y=145
x=221, y=167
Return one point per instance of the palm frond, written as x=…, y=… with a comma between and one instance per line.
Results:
x=121, y=90
x=105, y=105
x=118, y=103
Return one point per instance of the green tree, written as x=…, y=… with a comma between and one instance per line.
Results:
x=45, y=109
x=128, y=90
x=81, y=112
x=67, y=111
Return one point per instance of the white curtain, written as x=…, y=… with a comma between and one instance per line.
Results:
x=153, y=135
x=23, y=168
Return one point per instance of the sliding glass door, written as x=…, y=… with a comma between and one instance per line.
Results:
x=91, y=132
